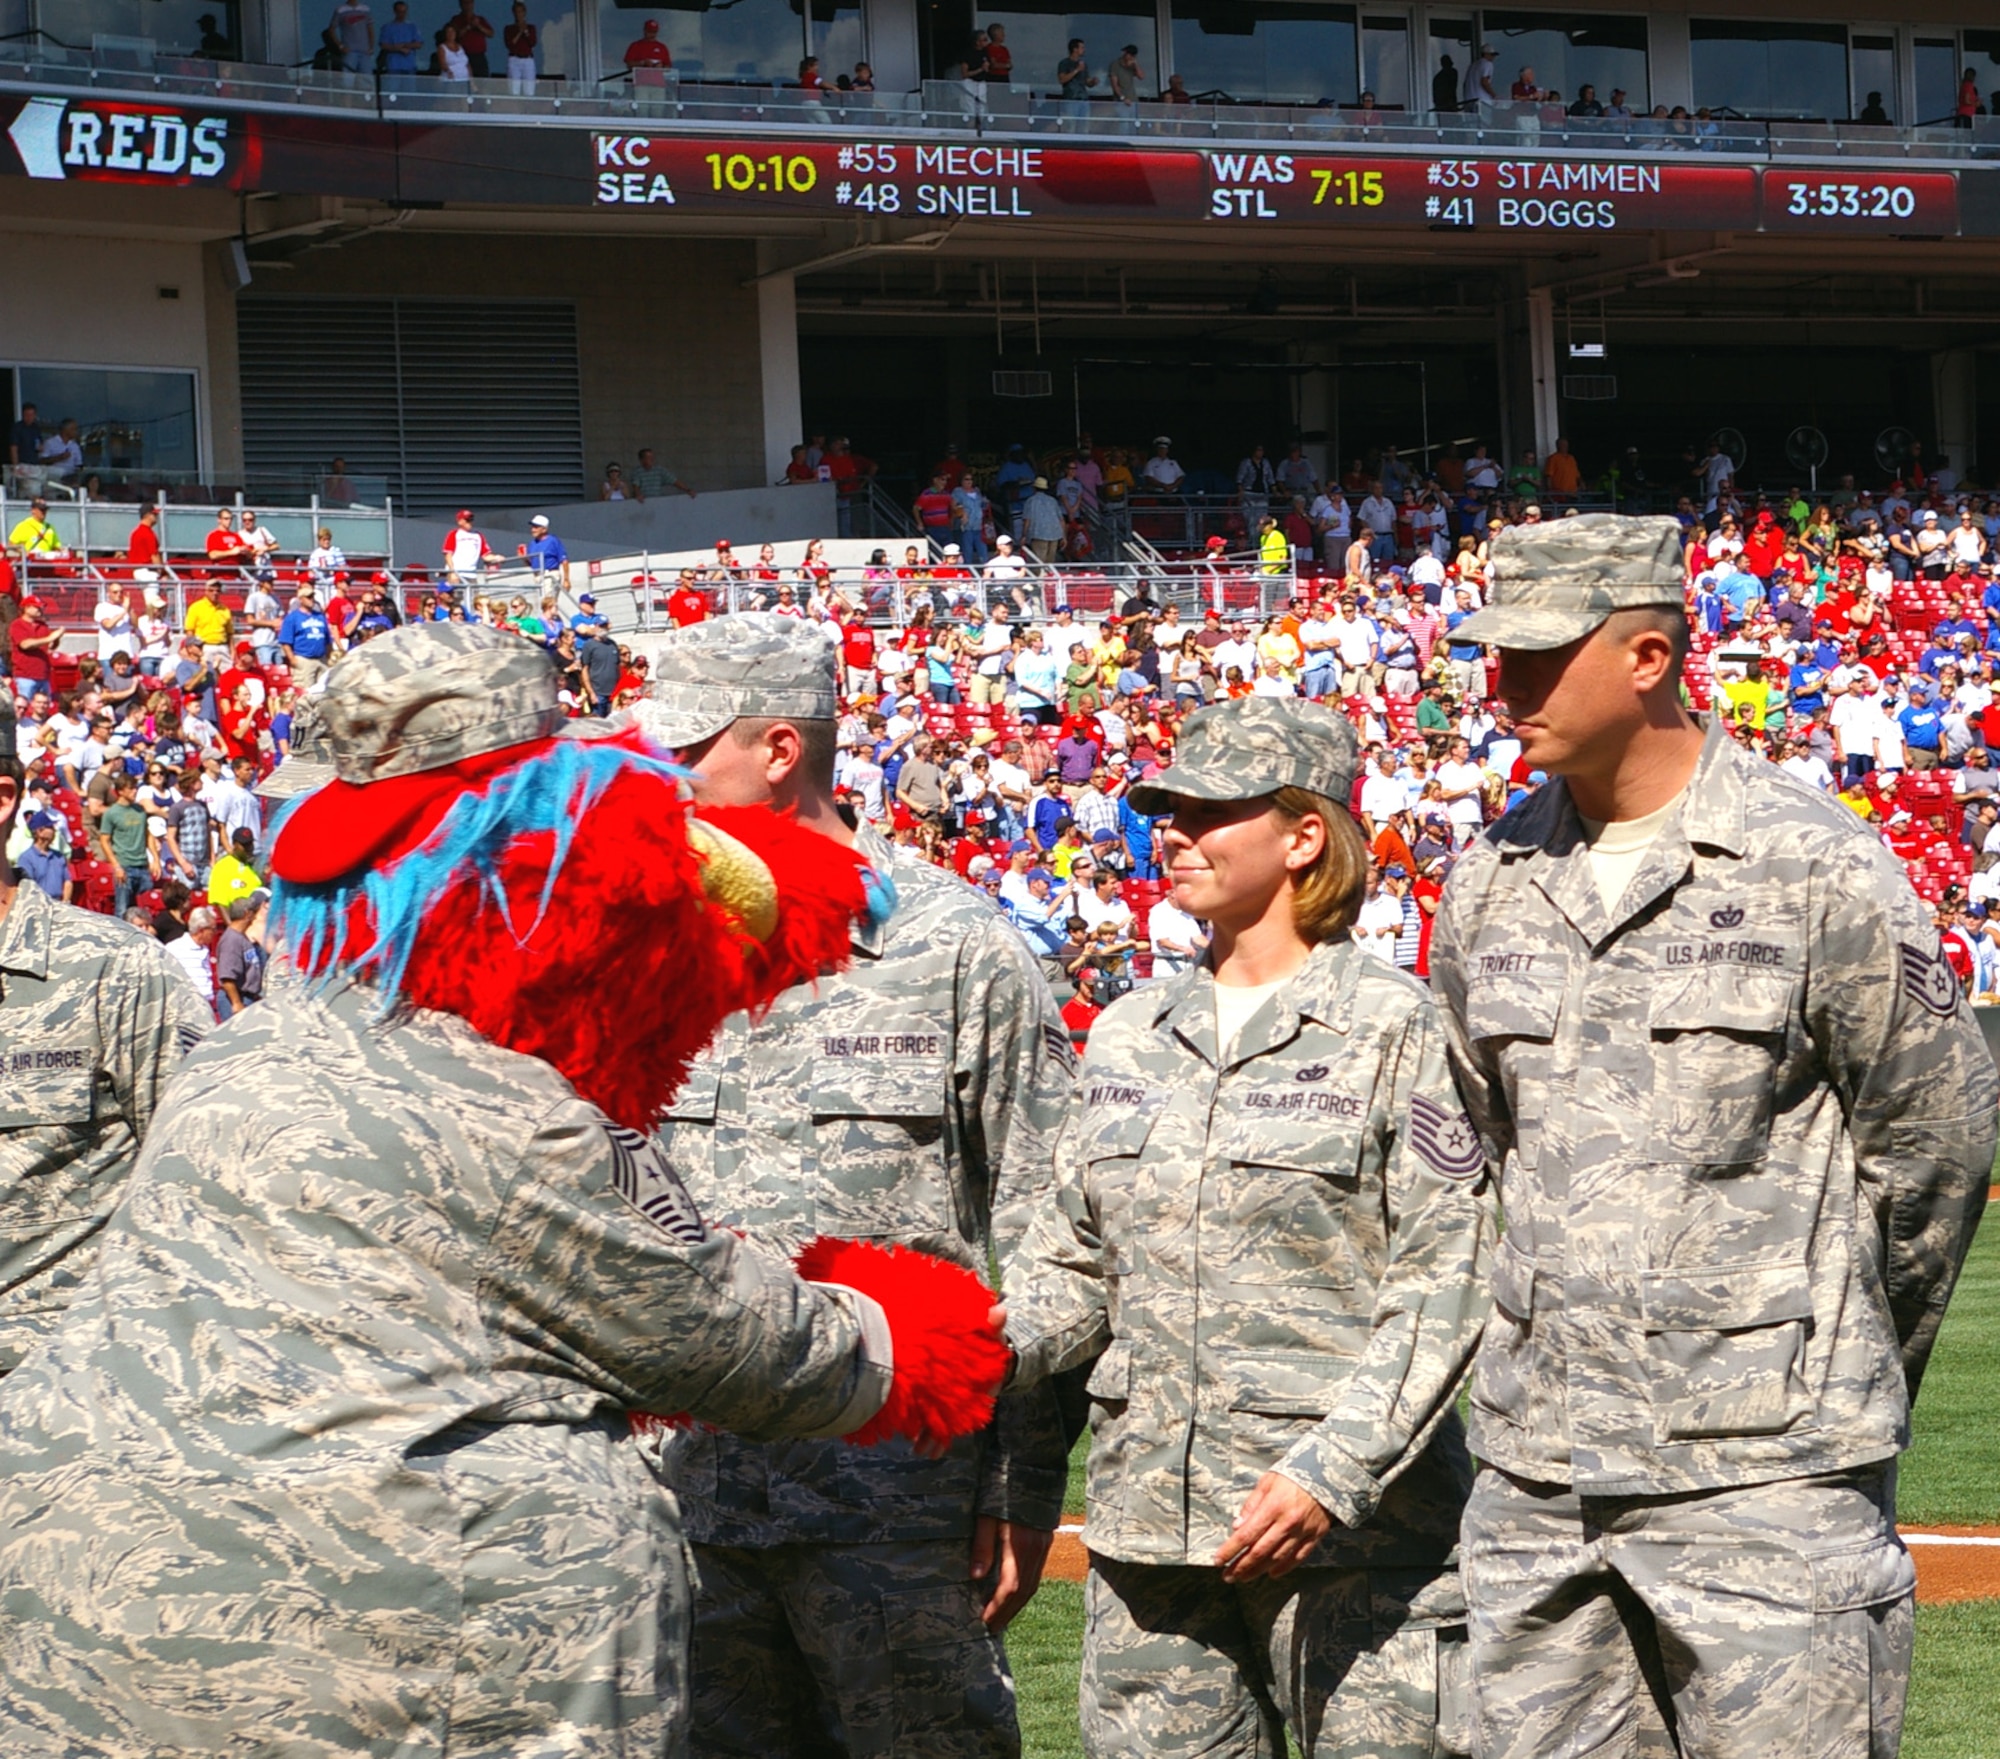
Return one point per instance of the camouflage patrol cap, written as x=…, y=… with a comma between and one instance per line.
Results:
x=430, y=695
x=309, y=761
x=1555, y=583
x=1255, y=745
x=755, y=664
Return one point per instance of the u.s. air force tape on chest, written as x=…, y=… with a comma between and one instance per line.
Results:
x=1928, y=978
x=1445, y=1141
x=645, y=1180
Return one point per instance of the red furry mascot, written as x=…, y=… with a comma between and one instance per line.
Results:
x=556, y=893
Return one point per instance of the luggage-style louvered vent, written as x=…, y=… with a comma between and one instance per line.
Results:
x=457, y=402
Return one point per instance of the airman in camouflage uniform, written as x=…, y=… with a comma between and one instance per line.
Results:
x=93, y=1019
x=1275, y=1252
x=1744, y=1123
x=332, y=1455
x=912, y=1098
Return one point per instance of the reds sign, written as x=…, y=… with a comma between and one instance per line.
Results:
x=118, y=143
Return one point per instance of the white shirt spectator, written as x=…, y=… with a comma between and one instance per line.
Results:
x=258, y=602
x=1468, y=810
x=1356, y=639
x=1379, y=924
x=1242, y=654
x=233, y=808
x=1378, y=513
x=1333, y=511
x=1382, y=797
x=1427, y=571
x=1163, y=472
x=1178, y=939
x=996, y=643
x=1810, y=770
x=1113, y=910
x=192, y=957
x=116, y=633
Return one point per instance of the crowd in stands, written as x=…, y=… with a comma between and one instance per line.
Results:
x=995, y=728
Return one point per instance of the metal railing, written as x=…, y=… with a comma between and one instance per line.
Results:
x=959, y=107
x=631, y=592
x=102, y=529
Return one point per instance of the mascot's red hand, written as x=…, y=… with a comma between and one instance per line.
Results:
x=949, y=1364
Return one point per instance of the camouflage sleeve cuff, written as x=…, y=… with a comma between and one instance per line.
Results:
x=1326, y=1474
x=1024, y=1496
x=875, y=1373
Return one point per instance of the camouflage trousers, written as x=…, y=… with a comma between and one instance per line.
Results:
x=818, y=1651
x=1769, y=1622
x=1356, y=1664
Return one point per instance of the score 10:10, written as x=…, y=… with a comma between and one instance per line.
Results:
x=774, y=174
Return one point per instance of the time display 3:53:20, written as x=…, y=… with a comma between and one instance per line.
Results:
x=1854, y=201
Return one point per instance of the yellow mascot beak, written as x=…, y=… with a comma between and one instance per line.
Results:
x=735, y=878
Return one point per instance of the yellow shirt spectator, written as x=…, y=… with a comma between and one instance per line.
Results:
x=209, y=622
x=35, y=536
x=229, y=879
x=1276, y=549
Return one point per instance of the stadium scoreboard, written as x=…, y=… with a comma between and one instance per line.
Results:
x=1008, y=181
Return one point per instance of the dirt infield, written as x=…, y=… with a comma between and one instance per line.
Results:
x=1945, y=1571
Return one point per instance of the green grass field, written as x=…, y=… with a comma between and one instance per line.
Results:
x=1947, y=1477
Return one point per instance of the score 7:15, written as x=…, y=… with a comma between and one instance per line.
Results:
x=1350, y=189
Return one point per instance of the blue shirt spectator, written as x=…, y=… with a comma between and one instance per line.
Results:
x=1923, y=726
x=304, y=632
x=546, y=555
x=1739, y=591
x=399, y=41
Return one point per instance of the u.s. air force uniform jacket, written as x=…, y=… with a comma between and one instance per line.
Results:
x=912, y=1098
x=1744, y=1125
x=1277, y=1260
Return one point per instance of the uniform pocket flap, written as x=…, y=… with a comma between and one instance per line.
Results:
x=1735, y=1298
x=1513, y=1280
x=923, y=1618
x=1115, y=1128
x=1513, y=1005
x=45, y=1100
x=1870, y=1575
x=1721, y=998
x=694, y=1101
x=1327, y=1153
x=1111, y=1375
x=867, y=1081
x=1285, y=1383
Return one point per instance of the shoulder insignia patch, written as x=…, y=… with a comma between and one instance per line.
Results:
x=1445, y=1141
x=1056, y=1039
x=1928, y=979
x=647, y=1181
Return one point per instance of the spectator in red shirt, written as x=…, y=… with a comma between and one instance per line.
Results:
x=933, y=509
x=1763, y=547
x=474, y=34
x=686, y=603
x=648, y=50
x=999, y=58
x=857, y=654
x=1081, y=1010
x=142, y=548
x=849, y=472
x=32, y=641
x=226, y=548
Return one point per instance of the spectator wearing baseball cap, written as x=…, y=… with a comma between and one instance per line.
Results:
x=466, y=551
x=545, y=552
